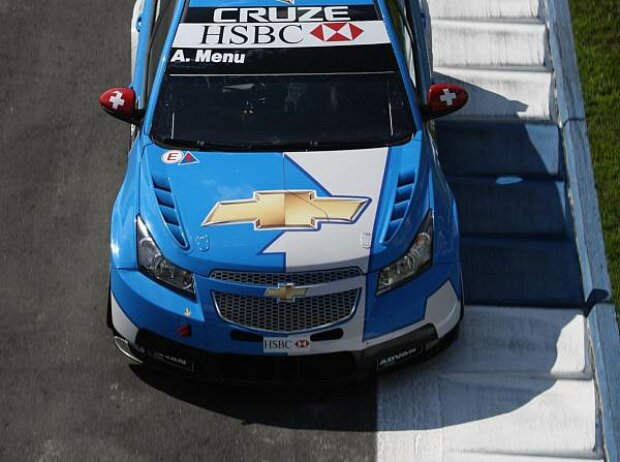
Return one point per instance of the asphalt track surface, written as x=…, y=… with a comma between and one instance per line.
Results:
x=66, y=394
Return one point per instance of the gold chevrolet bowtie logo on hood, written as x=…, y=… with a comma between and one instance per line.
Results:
x=286, y=209
x=286, y=292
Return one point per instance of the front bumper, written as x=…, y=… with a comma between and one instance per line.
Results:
x=145, y=317
x=173, y=357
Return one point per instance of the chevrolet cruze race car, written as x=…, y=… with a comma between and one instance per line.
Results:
x=284, y=215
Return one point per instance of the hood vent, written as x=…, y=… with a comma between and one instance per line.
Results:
x=404, y=191
x=169, y=212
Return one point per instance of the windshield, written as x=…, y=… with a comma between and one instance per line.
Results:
x=289, y=86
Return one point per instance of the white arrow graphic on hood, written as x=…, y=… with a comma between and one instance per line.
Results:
x=357, y=173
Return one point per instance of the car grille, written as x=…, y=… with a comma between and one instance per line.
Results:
x=268, y=314
x=273, y=279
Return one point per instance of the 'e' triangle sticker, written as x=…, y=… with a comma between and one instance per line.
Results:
x=188, y=158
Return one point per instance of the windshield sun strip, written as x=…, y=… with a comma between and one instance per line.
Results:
x=284, y=74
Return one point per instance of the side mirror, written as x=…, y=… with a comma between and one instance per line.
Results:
x=121, y=103
x=444, y=99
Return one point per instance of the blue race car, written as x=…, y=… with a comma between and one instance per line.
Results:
x=283, y=216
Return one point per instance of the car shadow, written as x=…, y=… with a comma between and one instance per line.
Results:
x=345, y=407
x=501, y=361
x=508, y=178
x=484, y=101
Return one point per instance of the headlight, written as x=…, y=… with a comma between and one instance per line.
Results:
x=417, y=259
x=153, y=263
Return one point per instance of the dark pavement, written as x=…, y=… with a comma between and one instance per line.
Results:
x=66, y=394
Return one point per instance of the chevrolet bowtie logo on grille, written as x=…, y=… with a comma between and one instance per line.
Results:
x=286, y=292
x=287, y=209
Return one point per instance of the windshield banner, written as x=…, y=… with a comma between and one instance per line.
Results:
x=329, y=39
x=280, y=35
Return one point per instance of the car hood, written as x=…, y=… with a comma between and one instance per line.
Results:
x=271, y=211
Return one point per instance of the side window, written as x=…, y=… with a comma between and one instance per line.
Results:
x=164, y=11
x=396, y=8
x=157, y=10
x=401, y=18
x=418, y=16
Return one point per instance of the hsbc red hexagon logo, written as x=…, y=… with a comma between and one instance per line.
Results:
x=302, y=343
x=337, y=32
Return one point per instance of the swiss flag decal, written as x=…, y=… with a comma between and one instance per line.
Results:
x=120, y=102
x=445, y=98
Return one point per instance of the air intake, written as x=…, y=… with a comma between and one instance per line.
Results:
x=404, y=191
x=169, y=212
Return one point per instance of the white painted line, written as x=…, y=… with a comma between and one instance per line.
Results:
x=520, y=340
x=502, y=94
x=489, y=9
x=477, y=43
x=478, y=457
x=517, y=382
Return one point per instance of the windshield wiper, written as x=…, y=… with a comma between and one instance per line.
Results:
x=316, y=145
x=193, y=144
x=276, y=146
